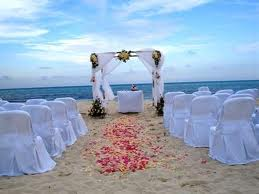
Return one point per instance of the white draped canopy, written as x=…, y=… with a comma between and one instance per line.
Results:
x=108, y=61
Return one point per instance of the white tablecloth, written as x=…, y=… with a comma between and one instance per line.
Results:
x=130, y=101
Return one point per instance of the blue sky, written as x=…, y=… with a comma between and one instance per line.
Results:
x=48, y=42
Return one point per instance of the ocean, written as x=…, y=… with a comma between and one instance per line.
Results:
x=85, y=92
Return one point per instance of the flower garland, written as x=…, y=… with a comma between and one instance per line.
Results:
x=156, y=55
x=124, y=55
x=94, y=60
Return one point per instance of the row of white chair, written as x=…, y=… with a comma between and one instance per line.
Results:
x=53, y=125
x=203, y=91
x=230, y=135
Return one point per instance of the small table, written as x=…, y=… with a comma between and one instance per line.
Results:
x=130, y=101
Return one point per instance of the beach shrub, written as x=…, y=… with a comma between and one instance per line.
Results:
x=97, y=110
x=160, y=107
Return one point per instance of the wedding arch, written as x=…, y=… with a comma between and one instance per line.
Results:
x=104, y=63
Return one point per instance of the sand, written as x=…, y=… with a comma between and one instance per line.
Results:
x=191, y=171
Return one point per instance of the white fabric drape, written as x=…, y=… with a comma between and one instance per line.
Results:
x=145, y=56
x=107, y=69
x=103, y=60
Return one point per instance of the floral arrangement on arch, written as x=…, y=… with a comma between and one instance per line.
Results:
x=97, y=110
x=124, y=55
x=156, y=55
x=94, y=60
x=160, y=107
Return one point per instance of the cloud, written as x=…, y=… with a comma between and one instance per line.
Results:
x=4, y=77
x=45, y=67
x=182, y=48
x=154, y=7
x=191, y=52
x=12, y=31
x=21, y=9
x=252, y=47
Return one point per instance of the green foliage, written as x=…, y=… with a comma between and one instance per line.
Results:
x=97, y=110
x=160, y=107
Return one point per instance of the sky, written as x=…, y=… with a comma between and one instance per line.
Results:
x=48, y=42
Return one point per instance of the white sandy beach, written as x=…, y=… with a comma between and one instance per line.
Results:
x=191, y=171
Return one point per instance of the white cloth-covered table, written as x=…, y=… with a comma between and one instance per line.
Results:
x=130, y=101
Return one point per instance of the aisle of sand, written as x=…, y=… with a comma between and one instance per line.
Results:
x=191, y=171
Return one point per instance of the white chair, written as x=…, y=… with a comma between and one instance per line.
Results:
x=202, y=93
x=247, y=91
x=256, y=92
x=21, y=152
x=168, y=105
x=2, y=109
x=204, y=112
x=35, y=101
x=74, y=116
x=257, y=132
x=13, y=106
x=222, y=97
x=241, y=96
x=42, y=125
x=203, y=89
x=2, y=102
x=233, y=140
x=228, y=91
x=256, y=116
x=180, y=112
x=60, y=120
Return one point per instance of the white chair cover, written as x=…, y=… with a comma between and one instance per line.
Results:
x=202, y=93
x=233, y=140
x=130, y=101
x=180, y=112
x=60, y=120
x=204, y=112
x=257, y=132
x=13, y=106
x=247, y=91
x=228, y=91
x=35, y=101
x=222, y=97
x=256, y=92
x=42, y=126
x=256, y=116
x=2, y=102
x=241, y=95
x=203, y=88
x=2, y=109
x=20, y=151
x=74, y=116
x=168, y=107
